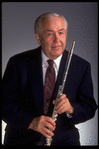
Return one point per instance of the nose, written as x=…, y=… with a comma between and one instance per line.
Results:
x=56, y=38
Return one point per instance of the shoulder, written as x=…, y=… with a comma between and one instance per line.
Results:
x=77, y=58
x=27, y=56
x=78, y=63
x=80, y=60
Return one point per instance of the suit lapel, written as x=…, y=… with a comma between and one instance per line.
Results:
x=36, y=81
x=60, y=74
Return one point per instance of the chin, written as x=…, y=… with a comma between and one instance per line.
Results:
x=55, y=56
x=57, y=53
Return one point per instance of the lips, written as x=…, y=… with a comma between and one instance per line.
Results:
x=56, y=46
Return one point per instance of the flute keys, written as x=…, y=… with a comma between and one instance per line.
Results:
x=55, y=119
x=56, y=115
x=48, y=141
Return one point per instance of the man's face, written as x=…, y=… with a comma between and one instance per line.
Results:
x=53, y=37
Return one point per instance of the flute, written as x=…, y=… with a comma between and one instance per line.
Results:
x=61, y=88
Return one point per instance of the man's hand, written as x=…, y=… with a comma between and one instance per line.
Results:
x=64, y=105
x=42, y=124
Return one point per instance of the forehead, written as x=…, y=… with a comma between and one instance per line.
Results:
x=53, y=23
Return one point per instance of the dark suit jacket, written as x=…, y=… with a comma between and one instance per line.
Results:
x=23, y=98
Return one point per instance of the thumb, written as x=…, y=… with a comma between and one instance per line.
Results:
x=53, y=101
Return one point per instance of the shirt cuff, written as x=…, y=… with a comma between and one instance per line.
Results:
x=69, y=115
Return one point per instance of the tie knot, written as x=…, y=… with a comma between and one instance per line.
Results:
x=50, y=62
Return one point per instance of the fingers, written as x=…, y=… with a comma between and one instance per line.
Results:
x=60, y=98
x=48, y=126
x=50, y=122
x=61, y=101
x=63, y=105
x=61, y=109
x=45, y=125
x=46, y=132
x=53, y=101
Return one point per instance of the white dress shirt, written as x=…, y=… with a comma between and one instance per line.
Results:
x=45, y=65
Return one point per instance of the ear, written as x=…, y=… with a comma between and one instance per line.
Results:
x=38, y=38
x=66, y=32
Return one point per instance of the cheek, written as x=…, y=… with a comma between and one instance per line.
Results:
x=64, y=42
x=46, y=47
x=48, y=44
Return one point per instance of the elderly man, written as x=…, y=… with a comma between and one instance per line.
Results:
x=30, y=86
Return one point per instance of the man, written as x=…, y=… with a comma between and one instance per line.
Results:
x=25, y=85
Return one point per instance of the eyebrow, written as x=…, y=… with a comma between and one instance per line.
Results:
x=50, y=30
x=53, y=31
x=62, y=29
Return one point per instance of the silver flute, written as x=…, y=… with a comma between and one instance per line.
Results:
x=61, y=88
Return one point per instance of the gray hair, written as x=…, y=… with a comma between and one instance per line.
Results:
x=37, y=23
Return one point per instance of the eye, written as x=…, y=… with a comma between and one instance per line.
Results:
x=61, y=33
x=49, y=34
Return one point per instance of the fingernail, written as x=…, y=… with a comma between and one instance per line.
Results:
x=53, y=134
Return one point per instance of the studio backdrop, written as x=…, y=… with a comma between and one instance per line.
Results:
x=82, y=17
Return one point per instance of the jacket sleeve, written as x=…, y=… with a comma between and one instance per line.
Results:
x=11, y=113
x=85, y=107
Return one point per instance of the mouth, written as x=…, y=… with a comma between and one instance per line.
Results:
x=55, y=47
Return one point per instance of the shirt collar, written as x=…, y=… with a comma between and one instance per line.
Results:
x=56, y=61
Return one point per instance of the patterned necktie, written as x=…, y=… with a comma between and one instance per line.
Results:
x=49, y=85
